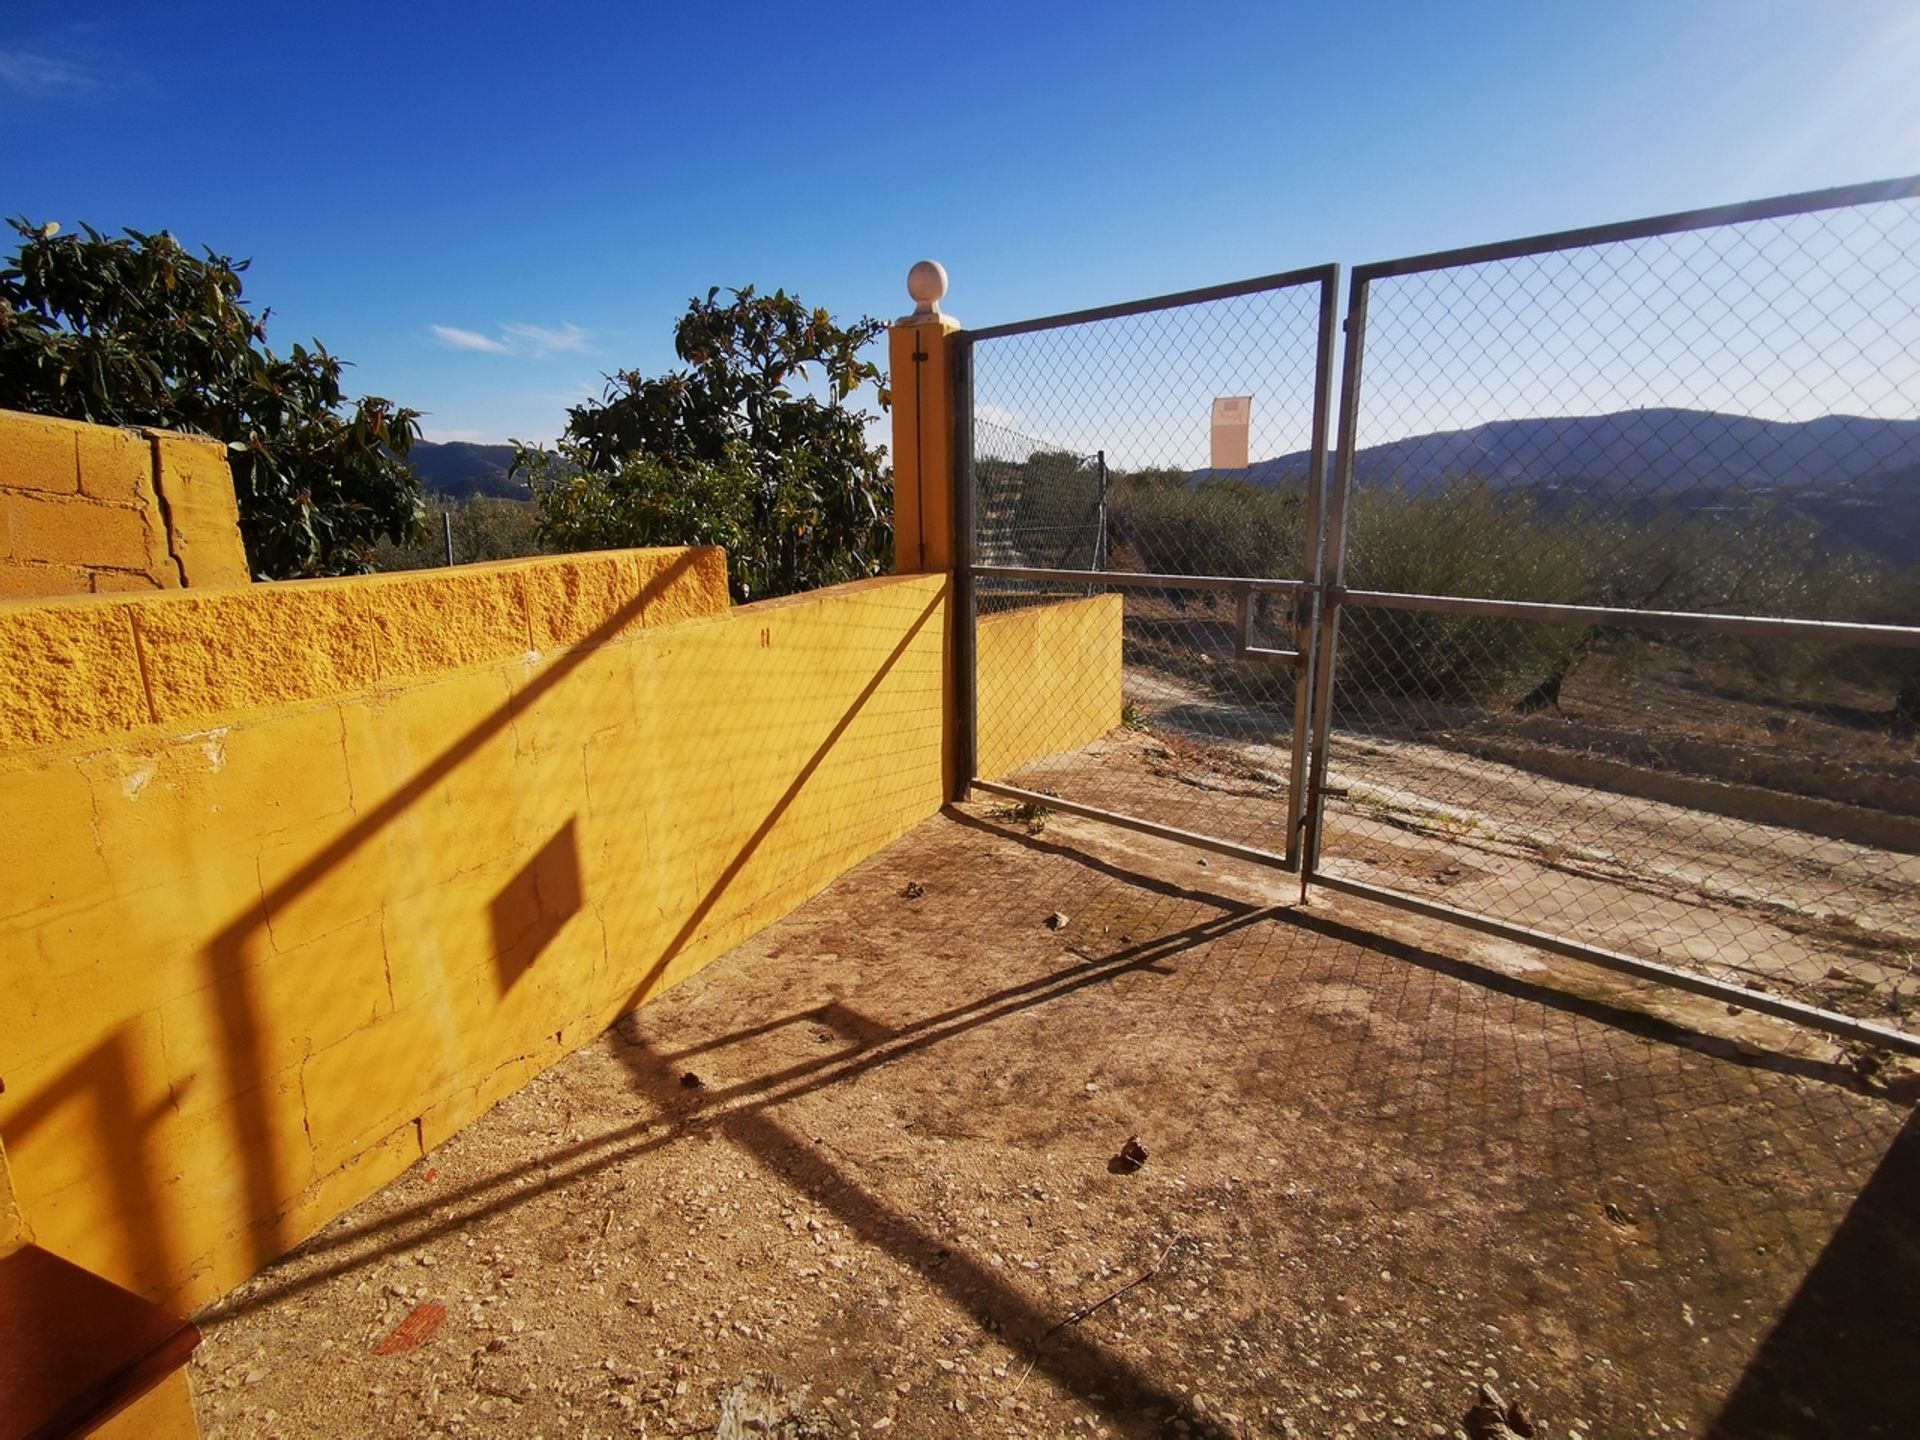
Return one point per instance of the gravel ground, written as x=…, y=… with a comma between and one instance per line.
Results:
x=863, y=1176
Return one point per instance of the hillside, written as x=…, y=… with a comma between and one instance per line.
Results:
x=458, y=470
x=1856, y=477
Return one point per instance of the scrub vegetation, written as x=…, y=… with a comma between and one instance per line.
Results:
x=1467, y=536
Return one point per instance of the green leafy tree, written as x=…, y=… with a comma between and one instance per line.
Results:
x=729, y=450
x=135, y=331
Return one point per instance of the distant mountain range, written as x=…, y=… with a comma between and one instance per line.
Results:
x=1858, y=478
x=459, y=470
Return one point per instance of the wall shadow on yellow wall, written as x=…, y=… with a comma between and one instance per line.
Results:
x=687, y=932
x=229, y=959
x=534, y=906
x=104, y=1080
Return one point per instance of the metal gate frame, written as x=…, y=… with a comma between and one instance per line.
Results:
x=1335, y=598
x=1244, y=588
x=1321, y=600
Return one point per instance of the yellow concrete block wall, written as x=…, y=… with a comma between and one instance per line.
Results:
x=93, y=509
x=13, y=1229
x=304, y=877
x=1049, y=680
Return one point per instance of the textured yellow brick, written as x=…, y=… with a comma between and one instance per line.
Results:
x=13, y=1227
x=439, y=1123
x=152, y=885
x=229, y=786
x=450, y=927
x=76, y=531
x=20, y=580
x=81, y=1127
x=514, y=851
x=115, y=466
x=596, y=598
x=341, y=1186
x=547, y=983
x=218, y=1165
x=181, y=821
x=115, y=582
x=68, y=671
x=60, y=988
x=226, y=652
x=434, y=762
x=429, y=622
x=922, y=358
x=203, y=517
x=38, y=454
x=314, y=883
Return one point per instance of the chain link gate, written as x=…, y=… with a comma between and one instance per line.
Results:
x=1614, y=639
x=1086, y=474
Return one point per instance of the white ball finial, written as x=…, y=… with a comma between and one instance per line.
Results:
x=927, y=284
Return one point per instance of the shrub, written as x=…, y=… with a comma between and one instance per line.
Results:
x=484, y=528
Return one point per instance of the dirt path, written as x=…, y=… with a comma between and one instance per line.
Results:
x=1829, y=922
x=854, y=1180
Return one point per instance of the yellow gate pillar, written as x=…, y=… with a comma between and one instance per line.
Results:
x=920, y=355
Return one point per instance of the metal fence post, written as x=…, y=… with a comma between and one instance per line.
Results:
x=1330, y=573
x=1308, y=607
x=965, y=617
x=1100, y=516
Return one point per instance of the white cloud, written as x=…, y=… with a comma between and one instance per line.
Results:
x=458, y=339
x=536, y=342
x=30, y=70
x=540, y=340
x=37, y=72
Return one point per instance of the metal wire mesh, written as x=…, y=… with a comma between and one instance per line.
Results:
x=1721, y=420
x=1208, y=730
x=1203, y=741
x=1718, y=420
x=1037, y=503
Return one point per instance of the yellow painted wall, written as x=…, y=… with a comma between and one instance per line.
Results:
x=1049, y=680
x=163, y=1413
x=304, y=877
x=13, y=1229
x=92, y=509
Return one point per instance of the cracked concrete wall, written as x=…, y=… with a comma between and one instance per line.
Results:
x=91, y=509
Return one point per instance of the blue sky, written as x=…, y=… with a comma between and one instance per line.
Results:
x=486, y=207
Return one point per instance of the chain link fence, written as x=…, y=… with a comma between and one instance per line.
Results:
x=1207, y=565
x=1037, y=503
x=1604, y=633
x=1659, y=448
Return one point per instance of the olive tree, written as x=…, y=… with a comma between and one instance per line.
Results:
x=731, y=450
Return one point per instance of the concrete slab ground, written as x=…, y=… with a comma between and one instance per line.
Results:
x=861, y=1177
